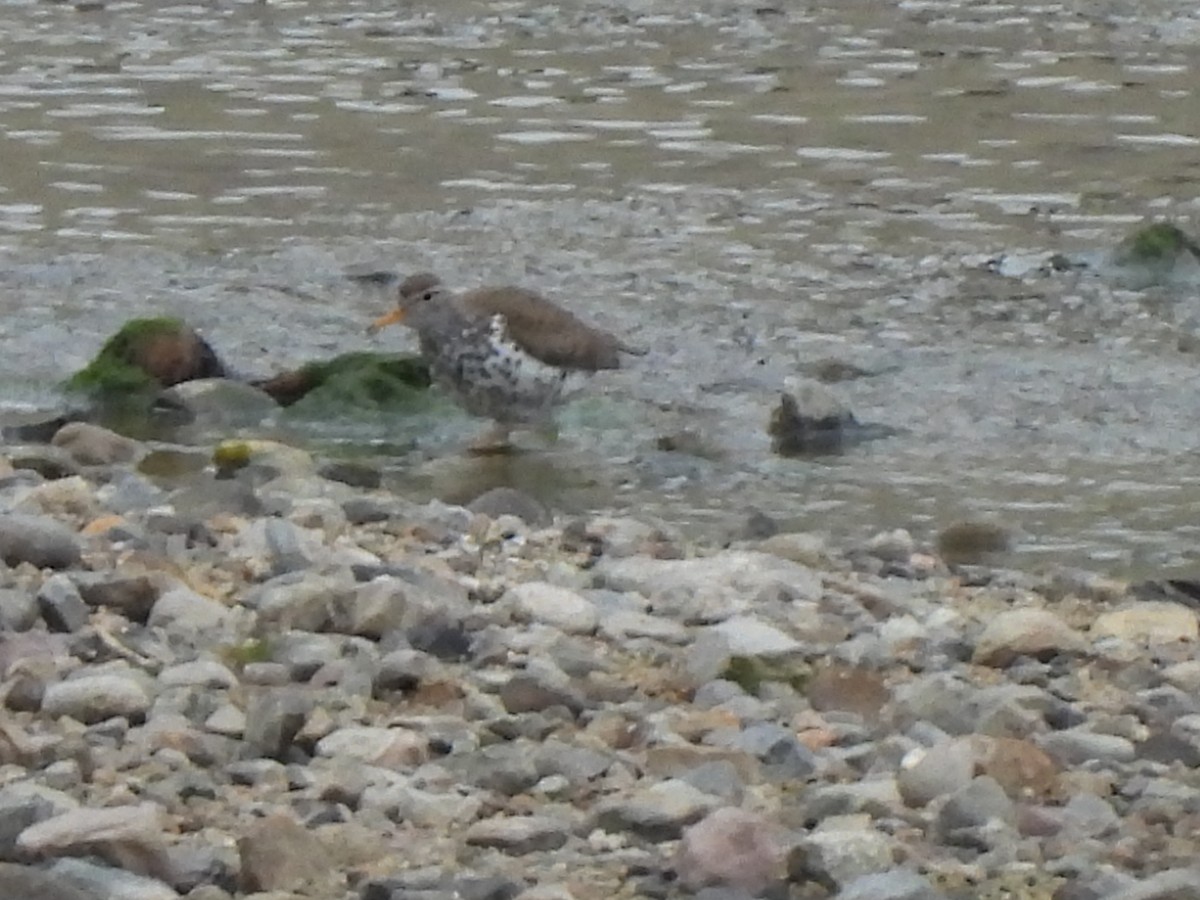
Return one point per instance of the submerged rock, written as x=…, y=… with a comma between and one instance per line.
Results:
x=973, y=541
x=813, y=420
x=1156, y=254
x=361, y=380
x=148, y=353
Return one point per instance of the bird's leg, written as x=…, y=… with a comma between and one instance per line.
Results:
x=493, y=441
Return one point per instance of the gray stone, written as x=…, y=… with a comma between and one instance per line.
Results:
x=279, y=854
x=92, y=698
x=223, y=403
x=274, y=717
x=92, y=445
x=518, y=835
x=530, y=693
x=976, y=804
x=38, y=540
x=181, y=608
x=552, y=605
x=305, y=654
x=750, y=636
x=299, y=600
x=399, y=749
x=837, y=856
x=18, y=610
x=734, y=572
x=1025, y=632
x=1148, y=622
x=61, y=606
x=1087, y=815
x=895, y=546
x=374, y=609
x=506, y=501
x=1078, y=745
x=206, y=673
x=133, y=596
x=658, y=812
x=27, y=883
x=1169, y=884
x=18, y=810
x=353, y=472
x=404, y=670
x=129, y=492
x=779, y=749
x=285, y=546
x=422, y=809
x=940, y=699
x=942, y=769
x=196, y=862
x=364, y=510
x=894, y=884
x=578, y=764
x=127, y=836
x=720, y=778
x=508, y=769
x=111, y=882
x=625, y=624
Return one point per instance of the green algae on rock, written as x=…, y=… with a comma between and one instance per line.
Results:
x=144, y=355
x=1155, y=243
x=362, y=380
x=750, y=672
x=1156, y=254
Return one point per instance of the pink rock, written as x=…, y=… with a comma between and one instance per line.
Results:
x=731, y=847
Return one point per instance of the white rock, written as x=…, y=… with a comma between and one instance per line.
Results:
x=141, y=825
x=742, y=572
x=552, y=605
x=1152, y=622
x=388, y=748
x=92, y=698
x=750, y=636
x=181, y=607
x=1025, y=632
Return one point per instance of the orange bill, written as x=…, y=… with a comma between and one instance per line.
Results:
x=396, y=315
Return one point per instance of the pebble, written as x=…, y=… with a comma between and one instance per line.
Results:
x=750, y=636
x=279, y=854
x=1025, y=632
x=552, y=605
x=93, y=698
x=518, y=835
x=92, y=445
x=1150, y=622
x=730, y=847
x=38, y=540
x=35, y=884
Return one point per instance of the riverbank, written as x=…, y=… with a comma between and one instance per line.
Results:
x=264, y=679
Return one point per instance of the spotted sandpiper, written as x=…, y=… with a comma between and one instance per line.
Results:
x=505, y=353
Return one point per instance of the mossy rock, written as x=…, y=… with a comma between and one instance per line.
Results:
x=1155, y=244
x=362, y=381
x=144, y=356
x=1156, y=255
x=973, y=541
x=751, y=672
x=251, y=650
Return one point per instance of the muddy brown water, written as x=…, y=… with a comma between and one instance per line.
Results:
x=744, y=188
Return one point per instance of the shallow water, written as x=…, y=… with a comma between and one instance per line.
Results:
x=743, y=188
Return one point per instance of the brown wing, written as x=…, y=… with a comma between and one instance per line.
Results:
x=545, y=331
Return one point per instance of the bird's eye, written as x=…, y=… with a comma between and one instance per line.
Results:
x=428, y=295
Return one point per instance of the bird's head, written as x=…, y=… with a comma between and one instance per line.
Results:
x=417, y=294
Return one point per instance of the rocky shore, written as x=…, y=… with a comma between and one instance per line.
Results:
x=270, y=680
